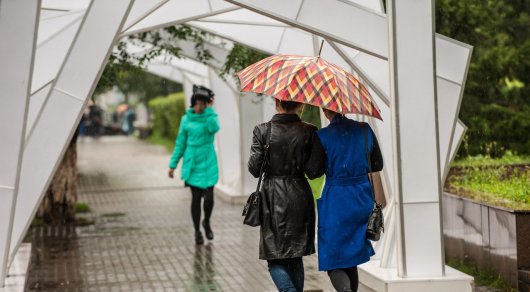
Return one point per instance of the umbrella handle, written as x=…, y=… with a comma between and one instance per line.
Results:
x=321, y=45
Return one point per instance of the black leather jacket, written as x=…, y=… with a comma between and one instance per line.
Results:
x=288, y=212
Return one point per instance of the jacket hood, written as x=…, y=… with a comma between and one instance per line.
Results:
x=208, y=112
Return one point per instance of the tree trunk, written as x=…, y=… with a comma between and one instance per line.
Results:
x=58, y=205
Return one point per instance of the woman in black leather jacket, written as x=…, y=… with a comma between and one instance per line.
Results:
x=288, y=213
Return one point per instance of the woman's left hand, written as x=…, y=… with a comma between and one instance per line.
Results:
x=171, y=173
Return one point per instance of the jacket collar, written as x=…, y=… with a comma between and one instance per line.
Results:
x=338, y=119
x=285, y=118
x=192, y=116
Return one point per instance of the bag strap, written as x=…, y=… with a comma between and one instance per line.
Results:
x=265, y=156
x=369, y=162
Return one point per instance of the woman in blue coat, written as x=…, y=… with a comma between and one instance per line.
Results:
x=346, y=202
x=195, y=146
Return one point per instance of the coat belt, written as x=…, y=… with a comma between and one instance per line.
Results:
x=346, y=181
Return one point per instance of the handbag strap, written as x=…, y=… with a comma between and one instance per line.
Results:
x=369, y=162
x=265, y=156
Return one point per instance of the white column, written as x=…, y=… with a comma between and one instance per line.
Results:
x=228, y=138
x=416, y=159
x=415, y=138
x=253, y=110
x=18, y=32
x=62, y=110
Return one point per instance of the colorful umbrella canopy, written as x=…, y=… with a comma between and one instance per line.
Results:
x=310, y=80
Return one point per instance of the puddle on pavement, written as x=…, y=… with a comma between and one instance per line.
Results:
x=106, y=231
x=54, y=248
x=113, y=215
x=204, y=269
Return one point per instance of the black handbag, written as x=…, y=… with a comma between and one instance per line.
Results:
x=375, y=222
x=252, y=209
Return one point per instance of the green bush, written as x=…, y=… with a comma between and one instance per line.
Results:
x=497, y=129
x=167, y=112
x=82, y=208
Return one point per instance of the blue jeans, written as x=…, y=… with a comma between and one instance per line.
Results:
x=287, y=274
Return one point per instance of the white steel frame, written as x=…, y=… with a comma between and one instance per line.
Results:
x=17, y=49
x=61, y=110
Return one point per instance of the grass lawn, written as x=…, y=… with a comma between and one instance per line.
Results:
x=482, y=278
x=502, y=182
x=480, y=160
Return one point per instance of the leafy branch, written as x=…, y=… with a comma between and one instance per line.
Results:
x=155, y=44
x=239, y=58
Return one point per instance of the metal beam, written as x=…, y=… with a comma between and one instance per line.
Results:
x=61, y=113
x=175, y=12
x=19, y=21
x=371, y=39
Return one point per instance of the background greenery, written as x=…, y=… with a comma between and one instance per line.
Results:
x=166, y=112
x=496, y=104
x=501, y=181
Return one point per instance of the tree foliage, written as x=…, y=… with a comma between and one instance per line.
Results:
x=239, y=58
x=496, y=104
x=125, y=69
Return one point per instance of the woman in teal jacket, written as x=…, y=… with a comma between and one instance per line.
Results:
x=199, y=169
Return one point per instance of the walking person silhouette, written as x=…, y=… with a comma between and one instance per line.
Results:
x=195, y=146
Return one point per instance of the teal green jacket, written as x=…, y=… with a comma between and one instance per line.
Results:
x=195, y=144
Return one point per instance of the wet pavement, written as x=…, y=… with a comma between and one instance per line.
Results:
x=142, y=236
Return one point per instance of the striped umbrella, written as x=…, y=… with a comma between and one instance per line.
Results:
x=310, y=80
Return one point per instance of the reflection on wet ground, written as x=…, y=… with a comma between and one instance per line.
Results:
x=204, y=269
x=54, y=259
x=142, y=238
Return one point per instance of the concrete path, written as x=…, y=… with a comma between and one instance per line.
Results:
x=142, y=236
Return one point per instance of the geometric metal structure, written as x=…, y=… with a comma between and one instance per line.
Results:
x=417, y=180
x=75, y=37
x=18, y=50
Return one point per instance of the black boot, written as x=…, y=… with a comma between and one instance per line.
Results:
x=207, y=229
x=198, y=238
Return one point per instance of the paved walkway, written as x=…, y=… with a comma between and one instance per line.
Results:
x=142, y=236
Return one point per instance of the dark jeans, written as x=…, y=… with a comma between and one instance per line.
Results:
x=344, y=280
x=197, y=195
x=287, y=274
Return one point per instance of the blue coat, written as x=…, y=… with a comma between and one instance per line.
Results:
x=346, y=201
